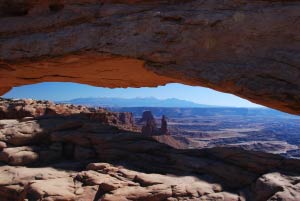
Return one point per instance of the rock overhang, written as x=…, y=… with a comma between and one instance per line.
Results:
x=247, y=48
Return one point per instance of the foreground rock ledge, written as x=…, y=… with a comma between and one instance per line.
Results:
x=55, y=152
x=248, y=48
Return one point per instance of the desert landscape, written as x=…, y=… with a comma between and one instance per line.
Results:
x=51, y=150
x=65, y=152
x=206, y=126
x=257, y=129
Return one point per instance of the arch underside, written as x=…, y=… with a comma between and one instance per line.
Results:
x=247, y=48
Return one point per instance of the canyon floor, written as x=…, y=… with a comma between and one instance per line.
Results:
x=266, y=134
x=64, y=152
x=255, y=129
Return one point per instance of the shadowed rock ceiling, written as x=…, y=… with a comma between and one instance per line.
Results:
x=247, y=48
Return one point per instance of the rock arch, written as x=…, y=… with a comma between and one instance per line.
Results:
x=247, y=48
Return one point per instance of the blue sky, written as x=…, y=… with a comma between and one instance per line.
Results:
x=57, y=91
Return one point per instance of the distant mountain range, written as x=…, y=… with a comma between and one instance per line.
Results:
x=172, y=107
x=136, y=102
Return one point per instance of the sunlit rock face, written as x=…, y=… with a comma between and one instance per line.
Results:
x=248, y=48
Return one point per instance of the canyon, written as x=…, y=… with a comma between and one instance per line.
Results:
x=64, y=152
x=257, y=129
x=58, y=152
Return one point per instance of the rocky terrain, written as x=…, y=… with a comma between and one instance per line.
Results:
x=272, y=134
x=149, y=126
x=64, y=152
x=256, y=129
x=247, y=48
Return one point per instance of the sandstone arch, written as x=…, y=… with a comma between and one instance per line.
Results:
x=248, y=48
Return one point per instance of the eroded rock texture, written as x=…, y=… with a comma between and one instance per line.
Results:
x=70, y=156
x=248, y=48
x=149, y=127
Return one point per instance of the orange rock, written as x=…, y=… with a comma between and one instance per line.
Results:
x=138, y=43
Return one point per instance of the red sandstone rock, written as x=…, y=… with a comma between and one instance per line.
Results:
x=19, y=155
x=23, y=109
x=2, y=145
x=136, y=166
x=149, y=128
x=164, y=126
x=248, y=48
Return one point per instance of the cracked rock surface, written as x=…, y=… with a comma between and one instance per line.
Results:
x=247, y=48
